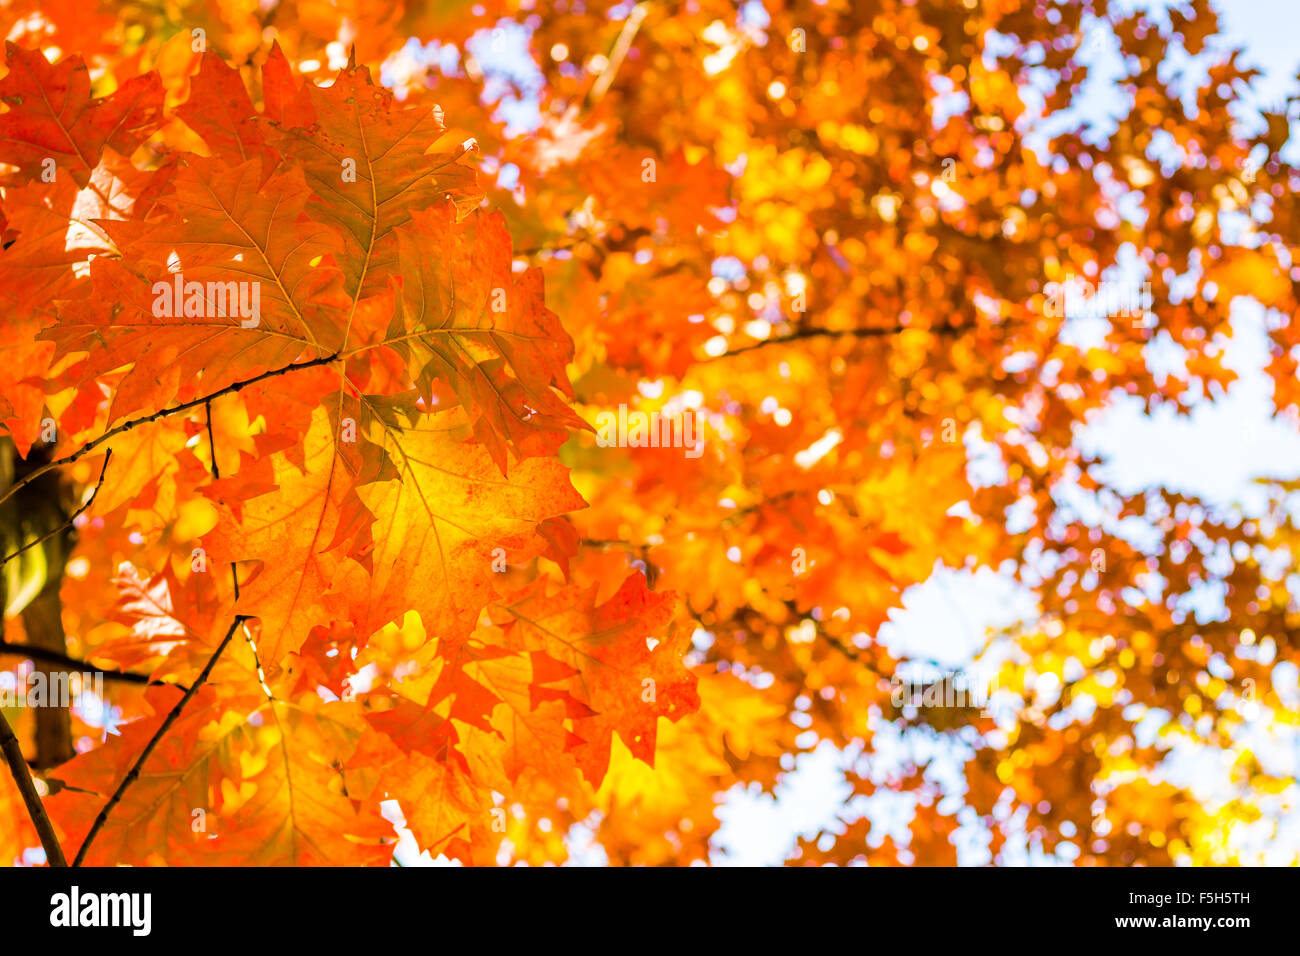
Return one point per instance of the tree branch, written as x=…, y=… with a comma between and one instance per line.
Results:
x=607, y=543
x=572, y=242
x=866, y=333
x=234, y=572
x=216, y=476
x=13, y=752
x=618, y=54
x=71, y=518
x=171, y=718
x=46, y=656
x=165, y=413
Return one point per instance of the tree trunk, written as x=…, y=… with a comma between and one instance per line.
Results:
x=33, y=511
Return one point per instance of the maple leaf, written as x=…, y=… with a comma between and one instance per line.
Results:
x=269, y=787
x=369, y=165
x=221, y=225
x=616, y=665
x=440, y=520
x=174, y=625
x=23, y=397
x=292, y=530
x=463, y=319
x=531, y=719
x=220, y=110
x=438, y=514
x=441, y=801
x=53, y=124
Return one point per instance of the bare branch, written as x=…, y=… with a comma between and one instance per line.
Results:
x=619, y=53
x=171, y=718
x=571, y=242
x=71, y=518
x=165, y=413
x=13, y=752
x=46, y=656
x=234, y=572
x=873, y=332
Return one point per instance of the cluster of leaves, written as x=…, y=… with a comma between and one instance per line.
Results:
x=366, y=451
x=873, y=305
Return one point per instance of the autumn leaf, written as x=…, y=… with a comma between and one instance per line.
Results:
x=369, y=164
x=627, y=677
x=227, y=239
x=53, y=123
x=272, y=794
x=463, y=319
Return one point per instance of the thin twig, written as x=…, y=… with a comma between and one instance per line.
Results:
x=171, y=718
x=67, y=524
x=574, y=241
x=608, y=543
x=234, y=572
x=212, y=443
x=13, y=752
x=46, y=656
x=216, y=476
x=866, y=333
x=617, y=55
x=165, y=413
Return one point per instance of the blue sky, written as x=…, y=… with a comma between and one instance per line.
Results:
x=1215, y=454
